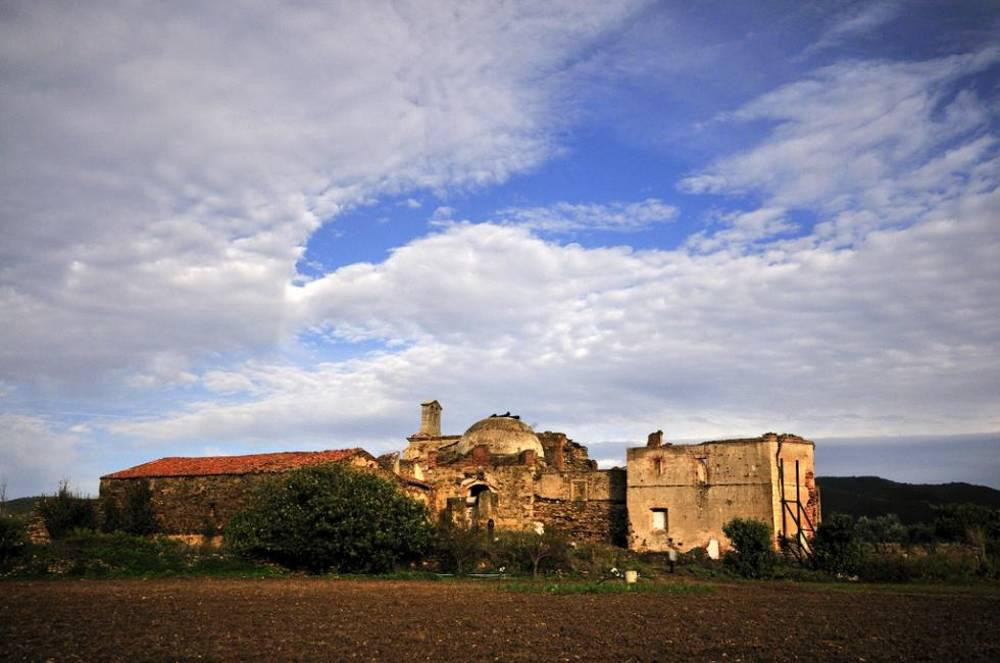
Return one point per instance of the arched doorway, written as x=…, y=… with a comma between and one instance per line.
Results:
x=480, y=502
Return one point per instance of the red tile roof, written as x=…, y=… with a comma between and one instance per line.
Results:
x=252, y=464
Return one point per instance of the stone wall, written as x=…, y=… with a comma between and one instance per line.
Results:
x=562, y=453
x=588, y=505
x=192, y=505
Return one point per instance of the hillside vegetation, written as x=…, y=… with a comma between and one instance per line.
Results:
x=913, y=503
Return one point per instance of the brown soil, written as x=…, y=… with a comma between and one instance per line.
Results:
x=320, y=619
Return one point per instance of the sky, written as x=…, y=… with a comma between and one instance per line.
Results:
x=248, y=227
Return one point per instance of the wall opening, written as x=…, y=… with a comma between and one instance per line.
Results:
x=659, y=519
x=475, y=493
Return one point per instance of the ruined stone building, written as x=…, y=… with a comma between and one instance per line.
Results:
x=688, y=492
x=195, y=495
x=500, y=473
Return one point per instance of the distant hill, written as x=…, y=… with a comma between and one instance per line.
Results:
x=21, y=504
x=875, y=496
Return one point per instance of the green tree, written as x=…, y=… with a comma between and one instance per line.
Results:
x=528, y=551
x=66, y=511
x=137, y=515
x=133, y=514
x=955, y=522
x=331, y=517
x=457, y=545
x=13, y=537
x=836, y=546
x=878, y=531
x=752, y=554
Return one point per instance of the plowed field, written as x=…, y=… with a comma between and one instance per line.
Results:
x=318, y=619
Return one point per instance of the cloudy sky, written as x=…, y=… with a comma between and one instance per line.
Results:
x=246, y=227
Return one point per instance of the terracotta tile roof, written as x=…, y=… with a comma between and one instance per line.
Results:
x=252, y=464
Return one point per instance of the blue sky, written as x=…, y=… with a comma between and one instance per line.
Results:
x=259, y=227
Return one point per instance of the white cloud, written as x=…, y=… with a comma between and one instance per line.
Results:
x=743, y=229
x=880, y=319
x=891, y=336
x=566, y=217
x=227, y=382
x=864, y=145
x=171, y=163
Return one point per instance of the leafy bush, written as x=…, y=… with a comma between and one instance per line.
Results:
x=881, y=530
x=457, y=546
x=137, y=515
x=65, y=512
x=836, y=548
x=331, y=517
x=595, y=560
x=752, y=555
x=884, y=567
x=526, y=551
x=13, y=537
x=954, y=522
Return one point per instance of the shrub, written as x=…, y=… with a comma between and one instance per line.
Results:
x=331, y=517
x=836, y=548
x=137, y=514
x=919, y=534
x=66, y=511
x=527, y=551
x=881, y=530
x=97, y=555
x=596, y=560
x=953, y=522
x=458, y=547
x=111, y=515
x=752, y=555
x=879, y=566
x=13, y=537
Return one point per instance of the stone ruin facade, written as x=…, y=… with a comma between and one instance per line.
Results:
x=502, y=474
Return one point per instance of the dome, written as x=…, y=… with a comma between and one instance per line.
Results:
x=502, y=435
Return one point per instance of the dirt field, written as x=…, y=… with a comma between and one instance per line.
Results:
x=459, y=621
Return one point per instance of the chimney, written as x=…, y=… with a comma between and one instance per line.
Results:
x=430, y=419
x=655, y=439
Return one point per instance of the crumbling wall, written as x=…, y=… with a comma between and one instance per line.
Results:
x=587, y=505
x=562, y=453
x=511, y=484
x=696, y=489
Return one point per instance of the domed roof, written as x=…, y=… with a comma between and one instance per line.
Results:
x=502, y=434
